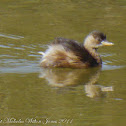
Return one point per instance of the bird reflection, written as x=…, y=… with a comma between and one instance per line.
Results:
x=60, y=78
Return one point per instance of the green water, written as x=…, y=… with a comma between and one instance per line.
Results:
x=33, y=96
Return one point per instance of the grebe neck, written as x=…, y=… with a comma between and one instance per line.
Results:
x=92, y=51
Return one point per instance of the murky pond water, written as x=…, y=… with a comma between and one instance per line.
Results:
x=30, y=95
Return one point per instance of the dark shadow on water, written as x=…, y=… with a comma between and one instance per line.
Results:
x=66, y=78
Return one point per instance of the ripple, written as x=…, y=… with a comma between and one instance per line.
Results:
x=118, y=99
x=18, y=66
x=33, y=55
x=20, y=69
x=106, y=54
x=28, y=47
x=110, y=67
x=4, y=46
x=11, y=36
x=18, y=48
x=7, y=56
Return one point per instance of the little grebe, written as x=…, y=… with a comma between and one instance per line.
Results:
x=71, y=54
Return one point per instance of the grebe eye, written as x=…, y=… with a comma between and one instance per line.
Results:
x=99, y=39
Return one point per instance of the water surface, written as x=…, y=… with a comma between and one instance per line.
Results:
x=57, y=97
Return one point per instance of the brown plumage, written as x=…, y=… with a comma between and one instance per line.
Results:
x=71, y=54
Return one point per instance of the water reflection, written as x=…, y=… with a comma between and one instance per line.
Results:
x=61, y=78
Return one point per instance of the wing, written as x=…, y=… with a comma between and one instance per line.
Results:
x=73, y=46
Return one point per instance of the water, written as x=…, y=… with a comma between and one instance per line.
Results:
x=30, y=95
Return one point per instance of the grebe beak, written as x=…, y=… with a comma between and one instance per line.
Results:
x=106, y=43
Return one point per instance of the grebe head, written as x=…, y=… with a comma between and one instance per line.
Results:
x=96, y=39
